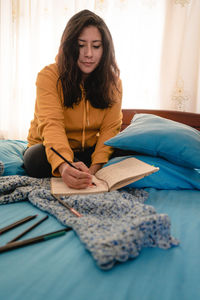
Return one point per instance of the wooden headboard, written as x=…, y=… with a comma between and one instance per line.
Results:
x=191, y=119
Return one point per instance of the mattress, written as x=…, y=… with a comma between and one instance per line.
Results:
x=62, y=268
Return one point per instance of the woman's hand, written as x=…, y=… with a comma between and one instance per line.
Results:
x=94, y=168
x=78, y=178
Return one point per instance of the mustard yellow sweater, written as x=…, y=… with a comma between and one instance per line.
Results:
x=68, y=129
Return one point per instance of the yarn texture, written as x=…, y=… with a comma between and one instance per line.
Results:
x=114, y=226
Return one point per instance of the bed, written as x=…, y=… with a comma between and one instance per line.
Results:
x=62, y=268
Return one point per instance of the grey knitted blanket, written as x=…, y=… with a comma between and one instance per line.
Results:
x=115, y=226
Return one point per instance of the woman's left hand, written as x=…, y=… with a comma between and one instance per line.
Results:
x=94, y=168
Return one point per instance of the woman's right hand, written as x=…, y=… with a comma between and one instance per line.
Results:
x=78, y=178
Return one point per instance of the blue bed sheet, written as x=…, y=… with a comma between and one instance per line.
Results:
x=61, y=268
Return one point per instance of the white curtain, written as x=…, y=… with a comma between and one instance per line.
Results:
x=157, y=45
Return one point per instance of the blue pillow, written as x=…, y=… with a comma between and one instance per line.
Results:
x=169, y=177
x=156, y=136
x=11, y=156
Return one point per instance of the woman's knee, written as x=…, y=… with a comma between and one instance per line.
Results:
x=35, y=162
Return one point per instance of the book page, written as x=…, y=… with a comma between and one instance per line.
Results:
x=127, y=181
x=58, y=187
x=125, y=172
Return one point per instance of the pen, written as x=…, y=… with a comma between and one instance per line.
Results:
x=15, y=224
x=75, y=212
x=68, y=162
x=27, y=230
x=37, y=239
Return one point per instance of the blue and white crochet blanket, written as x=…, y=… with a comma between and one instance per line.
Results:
x=115, y=226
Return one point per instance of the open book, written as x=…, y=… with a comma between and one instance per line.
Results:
x=109, y=178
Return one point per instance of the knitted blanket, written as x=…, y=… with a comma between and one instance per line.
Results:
x=115, y=226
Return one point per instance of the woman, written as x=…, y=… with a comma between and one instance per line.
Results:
x=78, y=105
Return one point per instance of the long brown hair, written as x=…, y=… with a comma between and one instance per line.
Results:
x=101, y=83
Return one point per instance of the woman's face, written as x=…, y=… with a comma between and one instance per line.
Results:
x=90, y=49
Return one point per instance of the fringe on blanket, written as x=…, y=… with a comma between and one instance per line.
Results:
x=115, y=226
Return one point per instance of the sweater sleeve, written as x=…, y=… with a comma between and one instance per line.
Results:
x=110, y=127
x=50, y=118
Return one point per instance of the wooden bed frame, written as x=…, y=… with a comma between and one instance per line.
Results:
x=188, y=118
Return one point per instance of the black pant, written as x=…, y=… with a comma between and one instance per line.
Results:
x=37, y=165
